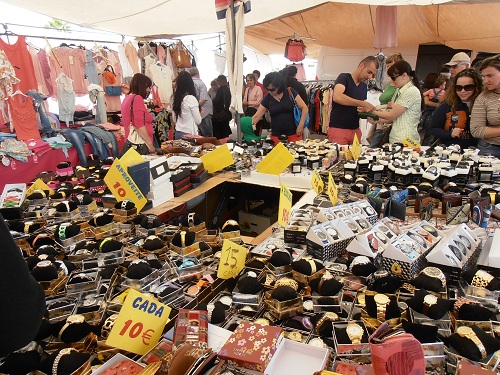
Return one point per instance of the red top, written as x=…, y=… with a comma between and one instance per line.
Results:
x=264, y=91
x=23, y=117
x=20, y=59
x=141, y=115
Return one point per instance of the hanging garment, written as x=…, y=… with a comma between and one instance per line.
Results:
x=162, y=55
x=91, y=68
x=44, y=64
x=72, y=64
x=7, y=80
x=19, y=57
x=66, y=98
x=220, y=62
x=23, y=117
x=39, y=76
x=149, y=61
x=113, y=103
x=170, y=63
x=39, y=106
x=162, y=77
x=96, y=95
x=132, y=57
x=386, y=27
x=125, y=64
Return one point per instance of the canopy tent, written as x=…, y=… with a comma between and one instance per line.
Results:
x=346, y=24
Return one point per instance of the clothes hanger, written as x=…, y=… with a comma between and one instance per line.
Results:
x=18, y=92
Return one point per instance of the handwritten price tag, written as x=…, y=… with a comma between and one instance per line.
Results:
x=285, y=206
x=232, y=260
x=140, y=323
x=356, y=147
x=408, y=142
x=317, y=182
x=332, y=189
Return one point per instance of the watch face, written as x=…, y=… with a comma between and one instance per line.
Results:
x=456, y=252
x=381, y=237
x=432, y=272
x=454, y=262
x=466, y=241
x=75, y=319
x=430, y=299
x=461, y=246
x=322, y=236
x=369, y=210
x=317, y=342
x=356, y=210
x=308, y=305
x=363, y=223
x=381, y=299
x=332, y=232
x=430, y=229
x=348, y=212
x=352, y=226
x=418, y=239
x=354, y=330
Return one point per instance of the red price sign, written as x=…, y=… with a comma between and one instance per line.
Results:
x=140, y=323
x=332, y=190
x=285, y=206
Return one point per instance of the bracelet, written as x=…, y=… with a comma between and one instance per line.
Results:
x=61, y=354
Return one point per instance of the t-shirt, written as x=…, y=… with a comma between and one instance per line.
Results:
x=387, y=95
x=282, y=120
x=346, y=117
x=441, y=125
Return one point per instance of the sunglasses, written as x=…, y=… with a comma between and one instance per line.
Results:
x=393, y=77
x=271, y=89
x=466, y=87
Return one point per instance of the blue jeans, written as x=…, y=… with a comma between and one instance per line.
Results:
x=486, y=148
x=179, y=135
x=77, y=139
x=205, y=126
x=376, y=137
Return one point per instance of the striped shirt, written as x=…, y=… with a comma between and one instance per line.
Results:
x=485, y=113
x=405, y=126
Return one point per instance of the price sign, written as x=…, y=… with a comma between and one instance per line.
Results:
x=38, y=185
x=123, y=186
x=232, y=260
x=317, y=183
x=332, y=189
x=217, y=159
x=356, y=147
x=140, y=323
x=408, y=142
x=285, y=206
x=276, y=161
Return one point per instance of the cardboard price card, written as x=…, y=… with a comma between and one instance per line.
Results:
x=217, y=159
x=276, y=161
x=123, y=186
x=285, y=207
x=356, y=147
x=140, y=323
x=38, y=185
x=332, y=189
x=232, y=260
x=317, y=182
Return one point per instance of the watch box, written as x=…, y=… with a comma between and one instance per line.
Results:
x=343, y=347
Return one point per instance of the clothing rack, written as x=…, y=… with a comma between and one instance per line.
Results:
x=58, y=38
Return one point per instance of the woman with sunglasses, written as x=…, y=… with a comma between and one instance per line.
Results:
x=405, y=111
x=451, y=120
x=485, y=119
x=280, y=105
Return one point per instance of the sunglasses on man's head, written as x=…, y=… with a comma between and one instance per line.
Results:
x=466, y=87
x=271, y=89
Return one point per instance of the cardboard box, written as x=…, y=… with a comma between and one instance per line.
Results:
x=255, y=223
x=295, y=358
x=252, y=346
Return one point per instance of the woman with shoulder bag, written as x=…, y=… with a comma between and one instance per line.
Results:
x=136, y=120
x=222, y=116
x=186, y=107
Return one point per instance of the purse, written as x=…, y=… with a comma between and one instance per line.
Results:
x=113, y=90
x=297, y=112
x=181, y=56
x=421, y=201
x=450, y=200
x=395, y=352
x=224, y=115
x=109, y=74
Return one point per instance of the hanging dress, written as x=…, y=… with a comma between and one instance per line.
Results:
x=19, y=57
x=23, y=117
x=66, y=98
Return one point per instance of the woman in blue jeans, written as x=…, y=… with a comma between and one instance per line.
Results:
x=485, y=119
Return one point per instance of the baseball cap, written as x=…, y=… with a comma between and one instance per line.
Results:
x=460, y=57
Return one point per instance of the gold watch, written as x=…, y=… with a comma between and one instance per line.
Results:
x=468, y=333
x=382, y=301
x=327, y=317
x=72, y=319
x=481, y=279
x=183, y=238
x=355, y=332
x=61, y=354
x=429, y=300
x=435, y=273
x=327, y=276
x=286, y=281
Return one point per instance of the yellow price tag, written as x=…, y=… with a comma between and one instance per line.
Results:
x=217, y=159
x=232, y=260
x=140, y=323
x=333, y=191
x=38, y=185
x=317, y=182
x=408, y=142
x=131, y=157
x=285, y=206
x=276, y=161
x=356, y=147
x=123, y=186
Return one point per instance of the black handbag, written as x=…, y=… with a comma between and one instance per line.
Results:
x=224, y=115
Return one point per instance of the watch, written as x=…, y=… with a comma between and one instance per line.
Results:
x=435, y=273
x=183, y=238
x=190, y=219
x=295, y=336
x=327, y=317
x=327, y=276
x=430, y=229
x=27, y=226
x=61, y=354
x=308, y=305
x=322, y=236
x=333, y=233
x=481, y=279
x=429, y=300
x=466, y=241
x=381, y=237
x=108, y=324
x=72, y=319
x=382, y=301
x=468, y=333
x=456, y=252
x=355, y=332
x=286, y=281
x=461, y=246
x=317, y=342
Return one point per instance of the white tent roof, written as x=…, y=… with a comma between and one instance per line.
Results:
x=347, y=24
